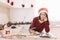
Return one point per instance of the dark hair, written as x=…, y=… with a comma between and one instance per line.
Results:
x=45, y=14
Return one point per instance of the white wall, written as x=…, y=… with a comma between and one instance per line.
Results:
x=53, y=8
x=3, y=15
x=52, y=5
x=21, y=14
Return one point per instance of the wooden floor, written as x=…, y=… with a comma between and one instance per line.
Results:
x=55, y=31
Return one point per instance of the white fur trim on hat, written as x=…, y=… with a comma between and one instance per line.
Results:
x=43, y=11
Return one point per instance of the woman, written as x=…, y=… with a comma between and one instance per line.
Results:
x=41, y=22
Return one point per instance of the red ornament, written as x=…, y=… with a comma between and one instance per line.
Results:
x=23, y=5
x=8, y=32
x=12, y=3
x=8, y=1
x=31, y=5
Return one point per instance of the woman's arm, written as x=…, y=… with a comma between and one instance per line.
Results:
x=46, y=25
x=32, y=27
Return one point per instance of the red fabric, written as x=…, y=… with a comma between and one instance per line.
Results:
x=12, y=3
x=39, y=26
x=8, y=1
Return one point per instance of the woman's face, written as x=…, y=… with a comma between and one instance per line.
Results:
x=43, y=15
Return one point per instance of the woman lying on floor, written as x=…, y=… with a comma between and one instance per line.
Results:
x=41, y=22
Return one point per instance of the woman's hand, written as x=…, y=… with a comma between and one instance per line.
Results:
x=45, y=19
x=32, y=32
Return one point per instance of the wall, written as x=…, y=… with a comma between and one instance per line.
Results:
x=53, y=8
x=21, y=14
x=3, y=15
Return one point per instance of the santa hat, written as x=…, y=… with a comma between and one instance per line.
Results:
x=43, y=10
